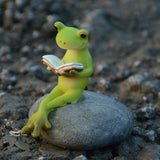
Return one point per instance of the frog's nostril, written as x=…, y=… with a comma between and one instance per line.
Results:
x=60, y=41
x=64, y=43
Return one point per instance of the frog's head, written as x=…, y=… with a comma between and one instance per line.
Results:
x=71, y=38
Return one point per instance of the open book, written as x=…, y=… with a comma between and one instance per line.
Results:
x=57, y=66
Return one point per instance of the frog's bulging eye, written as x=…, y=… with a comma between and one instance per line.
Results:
x=83, y=35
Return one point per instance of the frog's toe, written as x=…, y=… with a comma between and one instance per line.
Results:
x=26, y=129
x=36, y=131
x=47, y=125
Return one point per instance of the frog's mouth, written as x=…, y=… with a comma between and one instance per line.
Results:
x=80, y=47
x=64, y=46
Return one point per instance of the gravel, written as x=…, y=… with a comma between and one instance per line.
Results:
x=124, y=43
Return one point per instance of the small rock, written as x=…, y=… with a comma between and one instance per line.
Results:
x=150, y=135
x=104, y=84
x=55, y=152
x=81, y=157
x=26, y=50
x=5, y=143
x=8, y=124
x=9, y=104
x=21, y=112
x=4, y=50
x=146, y=113
x=131, y=145
x=18, y=16
x=24, y=155
x=138, y=131
x=20, y=3
x=149, y=87
x=134, y=82
x=149, y=152
x=120, y=158
x=29, y=16
x=95, y=119
x=137, y=63
x=42, y=158
x=35, y=34
x=101, y=68
x=7, y=79
x=8, y=18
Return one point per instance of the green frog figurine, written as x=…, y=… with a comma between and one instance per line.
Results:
x=70, y=84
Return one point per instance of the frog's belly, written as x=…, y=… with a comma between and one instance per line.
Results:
x=66, y=83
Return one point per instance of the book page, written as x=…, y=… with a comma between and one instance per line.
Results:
x=53, y=60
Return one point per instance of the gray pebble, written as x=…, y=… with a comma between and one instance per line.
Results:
x=7, y=79
x=81, y=157
x=146, y=113
x=42, y=158
x=35, y=34
x=94, y=121
x=134, y=82
x=104, y=84
x=150, y=135
x=101, y=68
x=149, y=152
x=26, y=49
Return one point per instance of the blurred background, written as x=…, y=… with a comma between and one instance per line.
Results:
x=124, y=41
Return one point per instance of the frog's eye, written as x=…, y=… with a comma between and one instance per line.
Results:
x=83, y=35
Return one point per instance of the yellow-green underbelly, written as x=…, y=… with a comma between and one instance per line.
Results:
x=66, y=83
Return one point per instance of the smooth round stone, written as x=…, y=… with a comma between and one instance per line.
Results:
x=93, y=122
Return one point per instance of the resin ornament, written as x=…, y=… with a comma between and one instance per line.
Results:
x=71, y=81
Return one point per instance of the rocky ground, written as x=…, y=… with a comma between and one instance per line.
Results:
x=125, y=45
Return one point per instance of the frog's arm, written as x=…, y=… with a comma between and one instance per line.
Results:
x=88, y=70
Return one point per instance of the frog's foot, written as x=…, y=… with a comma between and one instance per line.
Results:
x=37, y=122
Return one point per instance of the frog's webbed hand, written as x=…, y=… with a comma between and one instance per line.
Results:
x=70, y=73
x=37, y=122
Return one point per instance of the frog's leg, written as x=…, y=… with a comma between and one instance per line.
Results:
x=52, y=95
x=68, y=97
x=39, y=119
